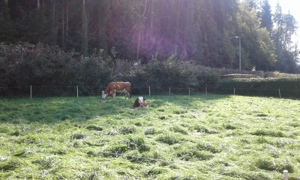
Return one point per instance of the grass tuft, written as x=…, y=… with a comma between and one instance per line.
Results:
x=94, y=127
x=169, y=139
x=127, y=129
x=9, y=165
x=179, y=129
x=208, y=147
x=150, y=131
x=78, y=135
x=272, y=164
x=273, y=133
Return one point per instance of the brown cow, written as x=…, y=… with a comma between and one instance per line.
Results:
x=114, y=87
x=140, y=102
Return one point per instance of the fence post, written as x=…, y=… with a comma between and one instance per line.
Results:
x=30, y=91
x=169, y=90
x=77, y=90
x=149, y=91
x=233, y=91
x=285, y=175
x=189, y=91
x=205, y=89
x=279, y=93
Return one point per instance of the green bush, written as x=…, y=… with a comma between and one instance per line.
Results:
x=289, y=87
x=54, y=72
x=207, y=79
x=42, y=66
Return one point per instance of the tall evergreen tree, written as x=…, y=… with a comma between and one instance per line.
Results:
x=7, y=26
x=266, y=16
x=257, y=47
x=282, y=36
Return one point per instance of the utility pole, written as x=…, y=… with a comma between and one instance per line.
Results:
x=240, y=53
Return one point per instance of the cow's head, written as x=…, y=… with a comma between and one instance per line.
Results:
x=104, y=95
x=142, y=101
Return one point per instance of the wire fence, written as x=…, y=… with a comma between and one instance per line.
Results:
x=77, y=91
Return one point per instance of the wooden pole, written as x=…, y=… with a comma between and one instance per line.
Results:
x=169, y=90
x=205, y=89
x=77, y=90
x=30, y=91
x=149, y=91
x=189, y=91
x=285, y=175
x=233, y=91
x=279, y=93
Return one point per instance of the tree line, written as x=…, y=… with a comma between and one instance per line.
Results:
x=199, y=30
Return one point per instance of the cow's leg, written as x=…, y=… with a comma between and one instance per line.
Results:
x=128, y=94
x=114, y=94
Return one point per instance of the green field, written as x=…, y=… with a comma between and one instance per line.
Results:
x=177, y=137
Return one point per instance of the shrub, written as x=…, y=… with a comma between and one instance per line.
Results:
x=289, y=87
x=207, y=79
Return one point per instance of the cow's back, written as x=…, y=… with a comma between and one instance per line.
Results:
x=127, y=86
x=118, y=86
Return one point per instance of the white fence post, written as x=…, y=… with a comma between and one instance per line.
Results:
x=233, y=91
x=279, y=93
x=205, y=89
x=285, y=175
x=189, y=91
x=169, y=90
x=77, y=90
x=30, y=91
x=149, y=91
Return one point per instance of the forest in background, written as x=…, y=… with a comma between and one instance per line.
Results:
x=202, y=30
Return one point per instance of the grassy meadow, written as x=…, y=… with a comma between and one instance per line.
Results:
x=176, y=137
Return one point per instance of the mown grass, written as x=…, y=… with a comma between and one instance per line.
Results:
x=177, y=137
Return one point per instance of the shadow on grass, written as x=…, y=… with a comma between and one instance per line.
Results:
x=53, y=110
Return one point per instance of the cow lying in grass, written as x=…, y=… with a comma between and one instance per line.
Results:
x=114, y=87
x=140, y=102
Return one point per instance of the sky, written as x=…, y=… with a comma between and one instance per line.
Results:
x=291, y=6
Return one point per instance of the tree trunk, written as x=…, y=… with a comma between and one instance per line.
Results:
x=140, y=31
x=53, y=23
x=38, y=4
x=84, y=43
x=67, y=17
x=63, y=24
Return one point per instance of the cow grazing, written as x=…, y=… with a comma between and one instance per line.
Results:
x=114, y=87
x=140, y=102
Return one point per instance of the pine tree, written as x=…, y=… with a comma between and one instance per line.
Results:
x=7, y=26
x=266, y=16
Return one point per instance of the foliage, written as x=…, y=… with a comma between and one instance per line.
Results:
x=203, y=137
x=288, y=86
x=26, y=64
x=207, y=79
x=266, y=16
x=201, y=30
x=253, y=53
x=43, y=67
x=286, y=51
